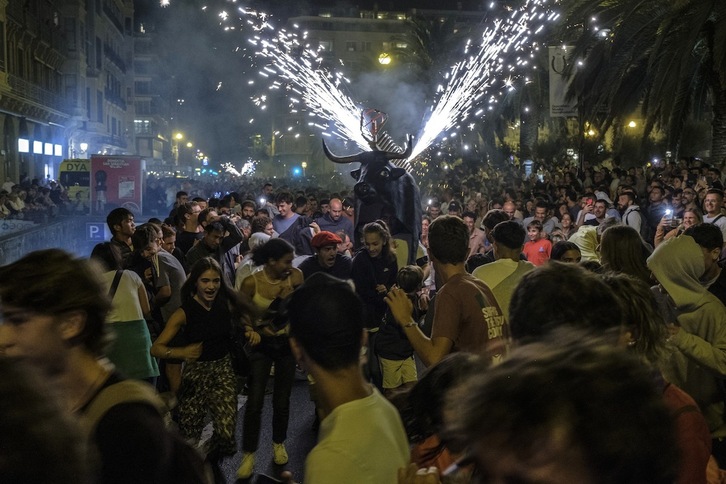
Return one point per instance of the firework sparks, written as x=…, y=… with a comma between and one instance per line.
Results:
x=471, y=86
x=470, y=80
x=248, y=168
x=299, y=68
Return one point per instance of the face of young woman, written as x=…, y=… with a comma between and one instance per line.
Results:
x=208, y=285
x=282, y=267
x=689, y=219
x=373, y=244
x=566, y=221
x=424, y=227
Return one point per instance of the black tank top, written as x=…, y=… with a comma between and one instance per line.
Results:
x=212, y=328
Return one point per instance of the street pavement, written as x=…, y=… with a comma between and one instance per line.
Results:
x=301, y=438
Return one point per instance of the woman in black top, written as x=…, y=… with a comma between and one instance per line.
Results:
x=374, y=271
x=209, y=309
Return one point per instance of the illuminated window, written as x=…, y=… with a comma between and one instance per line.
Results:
x=37, y=147
x=23, y=145
x=58, y=150
x=48, y=149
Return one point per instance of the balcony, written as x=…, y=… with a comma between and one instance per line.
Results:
x=113, y=17
x=114, y=98
x=114, y=57
x=34, y=93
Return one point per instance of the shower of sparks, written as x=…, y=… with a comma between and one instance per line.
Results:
x=296, y=66
x=470, y=79
x=164, y=3
x=248, y=168
x=472, y=86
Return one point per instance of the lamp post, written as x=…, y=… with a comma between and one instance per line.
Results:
x=304, y=165
x=175, y=140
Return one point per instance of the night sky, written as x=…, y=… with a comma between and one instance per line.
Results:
x=198, y=55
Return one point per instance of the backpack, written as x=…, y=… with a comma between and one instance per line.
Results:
x=645, y=232
x=186, y=466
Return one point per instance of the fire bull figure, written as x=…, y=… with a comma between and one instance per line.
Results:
x=386, y=192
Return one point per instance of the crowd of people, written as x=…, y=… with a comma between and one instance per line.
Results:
x=563, y=326
x=34, y=200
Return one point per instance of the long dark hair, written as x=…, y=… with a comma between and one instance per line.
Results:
x=239, y=308
x=273, y=249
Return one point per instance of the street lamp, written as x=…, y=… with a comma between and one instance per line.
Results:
x=179, y=136
x=384, y=59
x=304, y=165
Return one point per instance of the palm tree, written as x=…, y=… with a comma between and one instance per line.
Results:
x=666, y=56
x=430, y=44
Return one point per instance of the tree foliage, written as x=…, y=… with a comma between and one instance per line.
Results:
x=666, y=57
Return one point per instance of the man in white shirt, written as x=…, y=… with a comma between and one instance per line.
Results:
x=713, y=208
x=361, y=439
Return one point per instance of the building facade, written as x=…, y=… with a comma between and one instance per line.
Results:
x=69, y=75
x=152, y=132
x=32, y=108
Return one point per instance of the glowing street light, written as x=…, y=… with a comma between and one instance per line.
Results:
x=190, y=145
x=384, y=59
x=304, y=165
x=179, y=136
x=632, y=124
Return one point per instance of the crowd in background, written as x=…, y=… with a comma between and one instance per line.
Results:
x=570, y=323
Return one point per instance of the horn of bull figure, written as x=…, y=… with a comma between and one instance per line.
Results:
x=340, y=159
x=397, y=156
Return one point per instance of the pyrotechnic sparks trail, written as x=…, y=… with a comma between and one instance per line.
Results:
x=469, y=80
x=471, y=84
x=299, y=67
x=247, y=169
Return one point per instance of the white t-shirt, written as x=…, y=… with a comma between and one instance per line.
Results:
x=126, y=305
x=720, y=223
x=362, y=441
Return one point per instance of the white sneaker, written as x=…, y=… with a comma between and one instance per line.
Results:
x=280, y=454
x=247, y=466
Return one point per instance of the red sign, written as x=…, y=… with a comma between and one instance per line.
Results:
x=116, y=181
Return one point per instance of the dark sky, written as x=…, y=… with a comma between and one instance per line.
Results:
x=199, y=55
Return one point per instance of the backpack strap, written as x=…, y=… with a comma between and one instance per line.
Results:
x=115, y=283
x=126, y=391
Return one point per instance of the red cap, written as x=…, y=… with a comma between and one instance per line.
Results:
x=325, y=238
